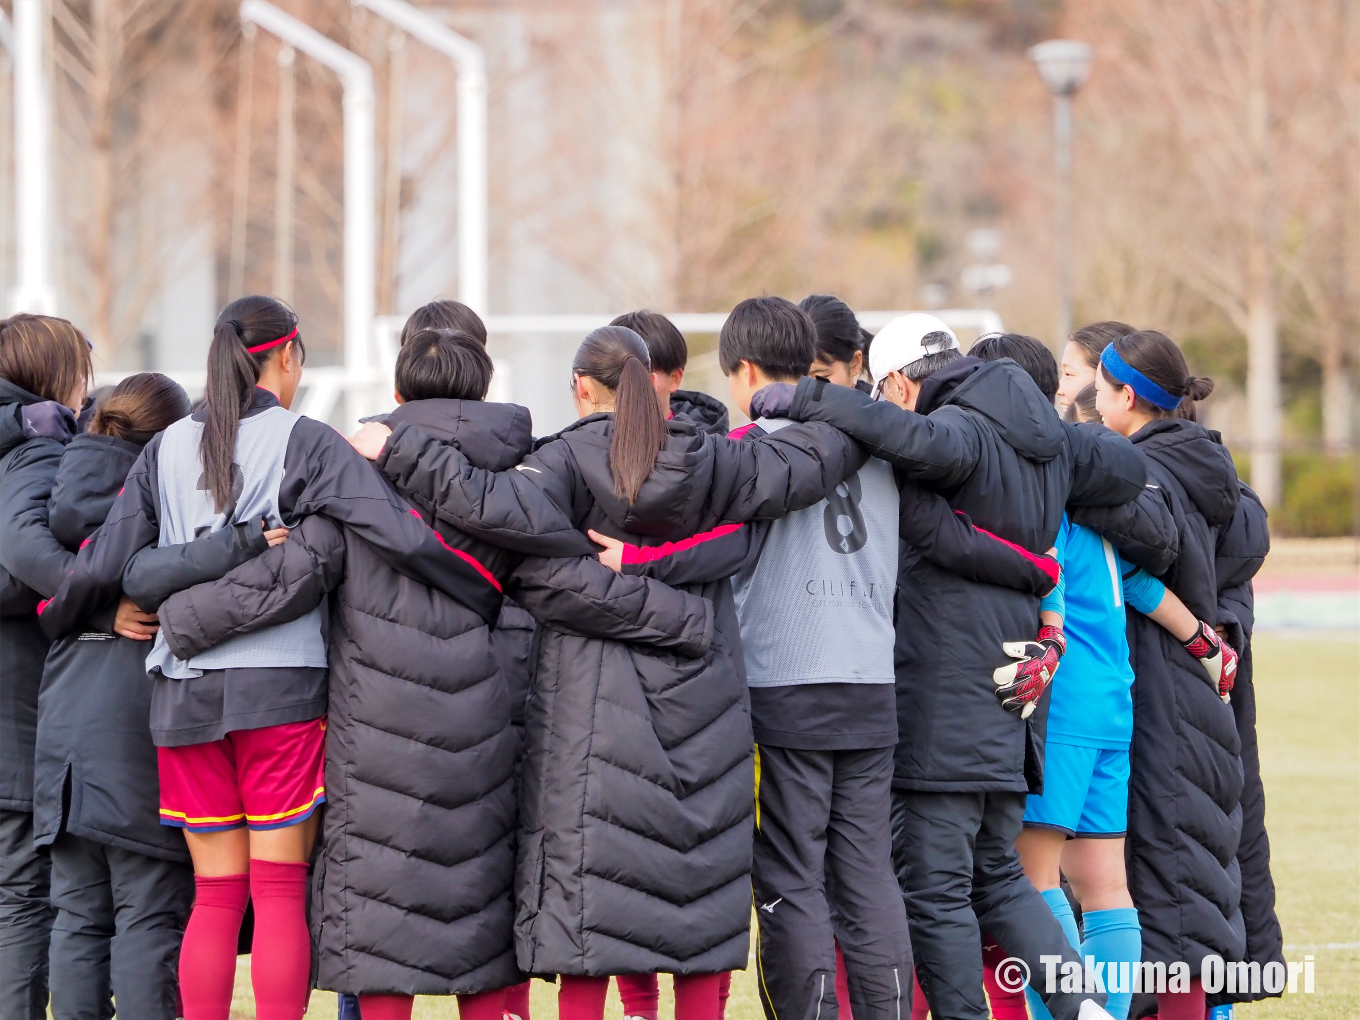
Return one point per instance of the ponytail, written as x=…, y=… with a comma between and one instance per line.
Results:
x=248, y=332
x=616, y=358
x=139, y=407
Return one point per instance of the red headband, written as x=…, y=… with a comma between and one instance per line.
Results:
x=272, y=343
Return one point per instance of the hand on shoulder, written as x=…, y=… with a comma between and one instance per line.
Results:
x=370, y=439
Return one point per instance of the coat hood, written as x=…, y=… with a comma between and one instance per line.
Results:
x=494, y=437
x=12, y=399
x=706, y=413
x=91, y=475
x=1003, y=393
x=673, y=496
x=1198, y=460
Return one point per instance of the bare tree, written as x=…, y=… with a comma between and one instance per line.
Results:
x=1205, y=98
x=126, y=67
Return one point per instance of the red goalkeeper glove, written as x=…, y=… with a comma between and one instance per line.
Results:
x=1217, y=657
x=1021, y=684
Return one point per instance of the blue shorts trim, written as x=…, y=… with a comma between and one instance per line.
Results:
x=1086, y=792
x=291, y=820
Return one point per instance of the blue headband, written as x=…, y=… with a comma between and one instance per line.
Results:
x=1140, y=384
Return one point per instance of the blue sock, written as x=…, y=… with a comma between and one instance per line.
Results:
x=1114, y=937
x=1062, y=910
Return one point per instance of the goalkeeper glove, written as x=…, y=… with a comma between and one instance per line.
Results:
x=1020, y=685
x=1217, y=657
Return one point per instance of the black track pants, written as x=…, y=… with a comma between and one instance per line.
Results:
x=25, y=920
x=956, y=860
x=120, y=921
x=826, y=814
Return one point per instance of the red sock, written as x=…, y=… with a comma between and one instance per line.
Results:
x=207, y=957
x=919, y=1006
x=641, y=995
x=281, y=955
x=517, y=1000
x=696, y=996
x=1005, y=1005
x=1182, y=1005
x=582, y=998
x=481, y=1005
x=724, y=991
x=386, y=1007
x=842, y=986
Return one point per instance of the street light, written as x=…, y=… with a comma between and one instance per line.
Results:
x=1063, y=64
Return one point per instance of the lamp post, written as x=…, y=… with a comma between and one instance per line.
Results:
x=1063, y=64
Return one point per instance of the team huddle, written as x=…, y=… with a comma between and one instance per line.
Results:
x=444, y=707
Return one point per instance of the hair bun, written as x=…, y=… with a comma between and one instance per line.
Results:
x=1197, y=387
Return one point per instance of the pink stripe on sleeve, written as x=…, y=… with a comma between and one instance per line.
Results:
x=649, y=553
x=1047, y=564
x=470, y=560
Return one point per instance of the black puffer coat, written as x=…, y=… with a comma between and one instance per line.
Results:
x=34, y=565
x=1242, y=547
x=988, y=441
x=95, y=769
x=705, y=413
x=1185, y=812
x=1143, y=530
x=413, y=888
x=636, y=809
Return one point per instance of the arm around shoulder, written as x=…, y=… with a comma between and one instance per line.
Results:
x=283, y=583
x=582, y=596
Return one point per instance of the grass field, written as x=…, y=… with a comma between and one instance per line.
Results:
x=1308, y=694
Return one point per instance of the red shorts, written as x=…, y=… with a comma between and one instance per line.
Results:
x=263, y=779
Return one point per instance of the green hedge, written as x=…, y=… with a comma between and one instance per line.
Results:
x=1319, y=495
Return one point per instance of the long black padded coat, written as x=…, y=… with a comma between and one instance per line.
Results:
x=1241, y=549
x=636, y=807
x=985, y=438
x=1185, y=789
x=413, y=885
x=34, y=565
x=95, y=764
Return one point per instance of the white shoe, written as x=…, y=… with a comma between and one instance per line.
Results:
x=1090, y=1011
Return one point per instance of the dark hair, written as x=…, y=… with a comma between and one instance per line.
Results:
x=139, y=407
x=1085, y=403
x=44, y=355
x=1096, y=336
x=617, y=359
x=444, y=314
x=665, y=343
x=771, y=333
x=839, y=334
x=1027, y=352
x=232, y=374
x=443, y=364
x=921, y=368
x=1157, y=357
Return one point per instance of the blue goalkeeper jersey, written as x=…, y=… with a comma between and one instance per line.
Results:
x=1092, y=704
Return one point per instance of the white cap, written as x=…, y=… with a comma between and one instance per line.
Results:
x=901, y=342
